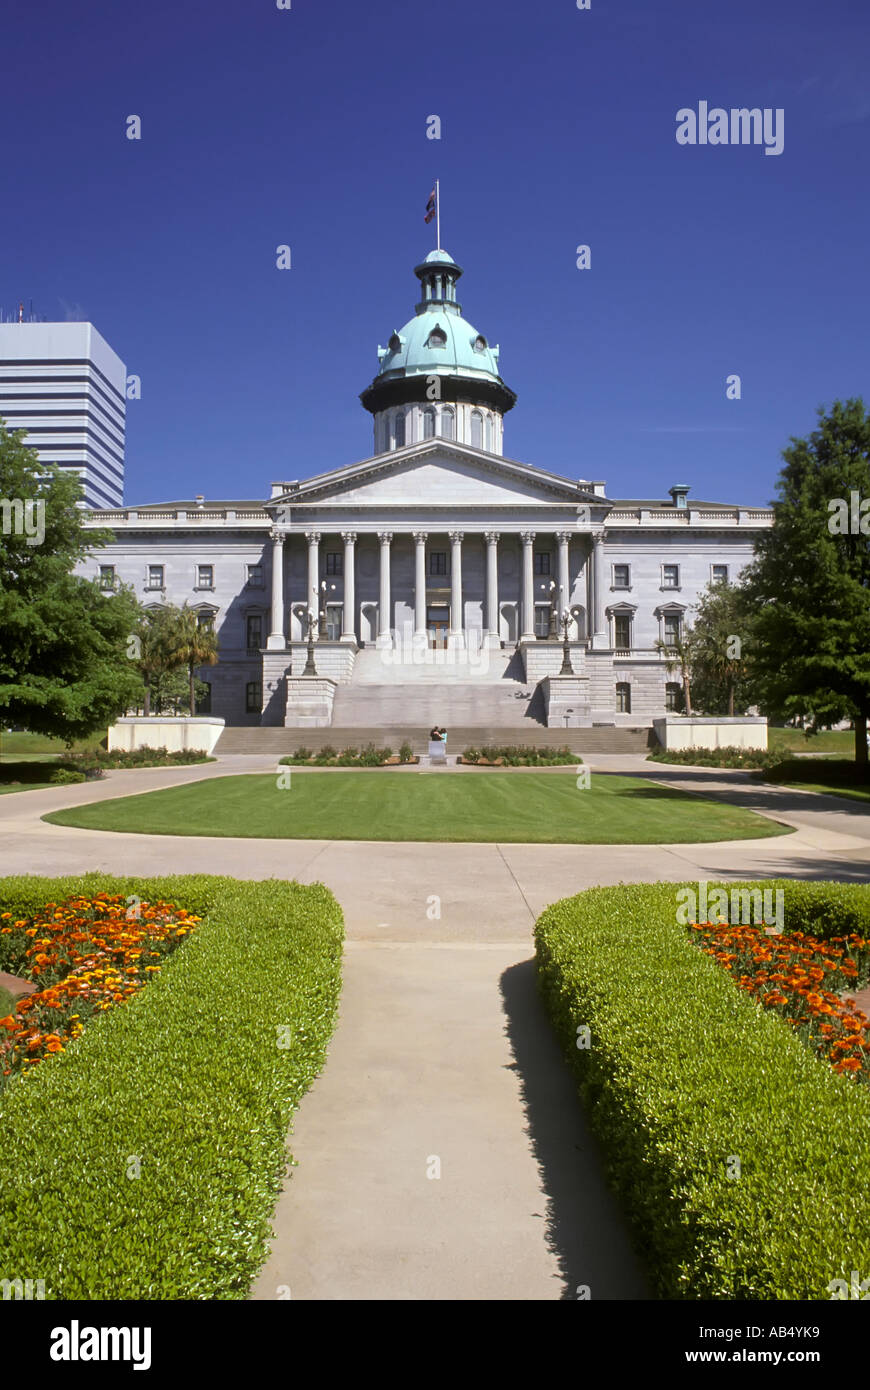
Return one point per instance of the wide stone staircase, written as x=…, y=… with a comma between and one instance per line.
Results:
x=279, y=740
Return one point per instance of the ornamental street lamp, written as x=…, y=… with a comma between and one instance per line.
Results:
x=321, y=630
x=551, y=588
x=566, y=668
x=310, y=668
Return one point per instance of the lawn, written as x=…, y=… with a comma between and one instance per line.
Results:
x=841, y=741
x=532, y=808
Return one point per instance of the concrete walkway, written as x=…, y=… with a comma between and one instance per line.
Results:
x=443, y=1055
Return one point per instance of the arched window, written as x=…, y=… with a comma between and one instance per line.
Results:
x=437, y=338
x=428, y=423
x=447, y=423
x=489, y=434
x=476, y=429
x=400, y=430
x=388, y=433
x=479, y=343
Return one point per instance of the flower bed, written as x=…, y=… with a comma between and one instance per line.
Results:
x=750, y=758
x=732, y=1149
x=802, y=978
x=144, y=1161
x=370, y=756
x=86, y=955
x=519, y=755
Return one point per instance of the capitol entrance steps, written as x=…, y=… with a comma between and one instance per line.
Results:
x=278, y=741
x=500, y=704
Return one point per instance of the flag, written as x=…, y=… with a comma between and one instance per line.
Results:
x=431, y=207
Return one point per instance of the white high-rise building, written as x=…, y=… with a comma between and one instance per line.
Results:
x=63, y=384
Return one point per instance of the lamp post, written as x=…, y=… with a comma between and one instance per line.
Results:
x=321, y=629
x=566, y=668
x=551, y=587
x=310, y=668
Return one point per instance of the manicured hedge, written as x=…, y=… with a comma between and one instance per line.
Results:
x=684, y=1073
x=521, y=755
x=713, y=757
x=188, y=1076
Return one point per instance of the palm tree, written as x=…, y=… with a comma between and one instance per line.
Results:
x=192, y=643
x=678, y=657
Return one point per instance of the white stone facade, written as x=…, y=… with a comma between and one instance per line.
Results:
x=438, y=544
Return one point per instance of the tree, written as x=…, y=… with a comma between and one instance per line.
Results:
x=156, y=660
x=678, y=657
x=720, y=632
x=65, y=657
x=810, y=582
x=193, y=644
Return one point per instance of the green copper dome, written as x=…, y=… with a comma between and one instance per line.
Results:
x=438, y=341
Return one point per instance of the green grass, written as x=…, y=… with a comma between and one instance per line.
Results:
x=534, y=808
x=15, y=745
x=831, y=776
x=840, y=741
x=197, y=1078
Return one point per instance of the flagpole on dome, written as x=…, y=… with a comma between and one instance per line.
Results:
x=438, y=211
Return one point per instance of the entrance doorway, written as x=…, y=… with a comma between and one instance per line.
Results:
x=437, y=622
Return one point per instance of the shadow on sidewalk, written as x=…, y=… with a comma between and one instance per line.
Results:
x=585, y=1229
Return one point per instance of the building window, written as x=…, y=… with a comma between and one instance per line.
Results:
x=205, y=619
x=720, y=574
x=622, y=632
x=255, y=576
x=621, y=577
x=253, y=697
x=623, y=697
x=203, y=704
x=672, y=629
x=429, y=424
x=437, y=561
x=107, y=576
x=673, y=697
x=542, y=620
x=447, y=424
x=489, y=434
x=437, y=338
x=333, y=562
x=670, y=576
x=254, y=631
x=333, y=621
x=476, y=430
x=542, y=562
x=205, y=576
x=155, y=577
x=400, y=430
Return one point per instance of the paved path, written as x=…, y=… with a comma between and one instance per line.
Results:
x=442, y=1050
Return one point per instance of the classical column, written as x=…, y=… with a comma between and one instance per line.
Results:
x=313, y=598
x=563, y=539
x=528, y=618
x=599, y=628
x=457, y=626
x=348, y=612
x=384, y=634
x=493, y=628
x=276, y=642
x=420, y=583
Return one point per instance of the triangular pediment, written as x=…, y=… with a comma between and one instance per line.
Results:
x=438, y=473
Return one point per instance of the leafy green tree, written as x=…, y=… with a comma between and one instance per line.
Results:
x=721, y=631
x=170, y=691
x=191, y=643
x=810, y=582
x=156, y=661
x=65, y=656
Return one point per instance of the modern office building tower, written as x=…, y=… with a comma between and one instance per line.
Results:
x=63, y=384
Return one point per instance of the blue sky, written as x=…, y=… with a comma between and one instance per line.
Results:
x=307, y=127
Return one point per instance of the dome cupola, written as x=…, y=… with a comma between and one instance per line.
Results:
x=438, y=375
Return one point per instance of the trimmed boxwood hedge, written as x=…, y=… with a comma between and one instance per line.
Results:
x=188, y=1076
x=684, y=1073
